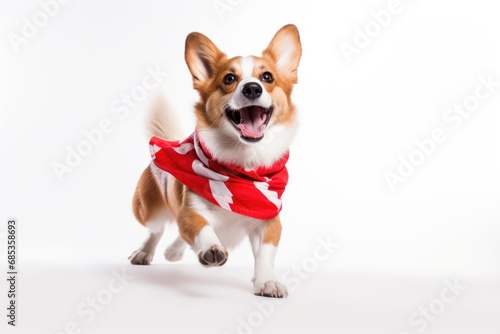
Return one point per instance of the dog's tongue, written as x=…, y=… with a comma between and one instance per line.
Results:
x=252, y=122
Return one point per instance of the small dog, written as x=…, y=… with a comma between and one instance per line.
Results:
x=226, y=179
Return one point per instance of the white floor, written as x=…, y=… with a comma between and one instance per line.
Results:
x=184, y=298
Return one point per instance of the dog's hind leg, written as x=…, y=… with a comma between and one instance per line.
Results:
x=175, y=250
x=150, y=210
x=156, y=225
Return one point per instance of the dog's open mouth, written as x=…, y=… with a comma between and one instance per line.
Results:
x=251, y=121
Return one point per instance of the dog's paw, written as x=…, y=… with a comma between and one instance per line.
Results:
x=215, y=256
x=140, y=257
x=270, y=289
x=174, y=253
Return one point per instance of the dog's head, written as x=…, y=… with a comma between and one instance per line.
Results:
x=245, y=115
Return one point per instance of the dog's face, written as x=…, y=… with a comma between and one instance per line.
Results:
x=245, y=99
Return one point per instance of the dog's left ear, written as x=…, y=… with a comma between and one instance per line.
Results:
x=285, y=50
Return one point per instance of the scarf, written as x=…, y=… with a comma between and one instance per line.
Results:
x=254, y=193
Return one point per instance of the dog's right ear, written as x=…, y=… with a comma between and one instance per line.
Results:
x=201, y=57
x=285, y=50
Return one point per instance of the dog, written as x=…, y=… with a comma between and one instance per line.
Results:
x=225, y=181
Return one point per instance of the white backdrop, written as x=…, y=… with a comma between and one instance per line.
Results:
x=378, y=81
x=357, y=119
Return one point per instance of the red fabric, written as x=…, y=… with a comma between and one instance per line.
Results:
x=255, y=193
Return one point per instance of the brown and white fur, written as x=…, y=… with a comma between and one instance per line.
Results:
x=221, y=82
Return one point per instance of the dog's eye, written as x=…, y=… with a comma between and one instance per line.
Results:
x=229, y=78
x=267, y=77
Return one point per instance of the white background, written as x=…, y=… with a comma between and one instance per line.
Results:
x=357, y=118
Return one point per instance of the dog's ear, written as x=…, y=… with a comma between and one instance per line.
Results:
x=285, y=50
x=201, y=56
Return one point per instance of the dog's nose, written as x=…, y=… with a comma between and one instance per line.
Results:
x=252, y=90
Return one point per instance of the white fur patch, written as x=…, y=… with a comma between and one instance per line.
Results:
x=229, y=227
x=205, y=239
x=247, y=65
x=264, y=280
x=264, y=263
x=156, y=226
x=226, y=146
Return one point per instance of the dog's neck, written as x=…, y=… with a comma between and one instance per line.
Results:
x=227, y=149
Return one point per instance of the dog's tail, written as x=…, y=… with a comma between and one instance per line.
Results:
x=162, y=121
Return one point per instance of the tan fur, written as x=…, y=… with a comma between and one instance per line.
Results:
x=190, y=224
x=148, y=198
x=176, y=197
x=272, y=231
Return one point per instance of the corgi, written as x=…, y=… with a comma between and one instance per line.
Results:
x=225, y=181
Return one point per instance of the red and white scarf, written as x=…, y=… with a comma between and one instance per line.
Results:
x=254, y=193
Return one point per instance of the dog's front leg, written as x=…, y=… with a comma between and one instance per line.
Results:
x=197, y=232
x=264, y=245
